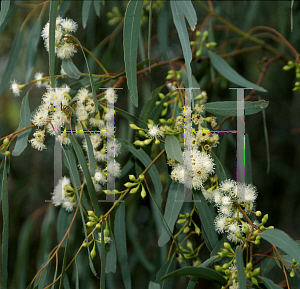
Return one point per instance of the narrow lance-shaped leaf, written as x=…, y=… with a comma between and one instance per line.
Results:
x=130, y=44
x=207, y=218
x=269, y=283
x=34, y=37
x=173, y=207
x=22, y=139
x=180, y=25
x=240, y=267
x=163, y=29
x=86, y=5
x=4, y=247
x=229, y=73
x=103, y=258
x=97, y=7
x=4, y=10
x=173, y=148
x=219, y=168
x=283, y=241
x=168, y=267
x=111, y=256
x=13, y=58
x=120, y=236
x=228, y=108
x=70, y=69
x=205, y=273
x=189, y=12
x=10, y=13
x=52, y=24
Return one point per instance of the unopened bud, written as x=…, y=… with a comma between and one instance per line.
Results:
x=7, y=153
x=133, y=126
x=186, y=230
x=132, y=178
x=5, y=142
x=148, y=141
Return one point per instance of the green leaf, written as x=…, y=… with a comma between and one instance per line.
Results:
x=224, y=68
x=220, y=245
x=153, y=285
x=86, y=5
x=163, y=29
x=33, y=41
x=111, y=257
x=266, y=139
x=52, y=24
x=173, y=148
x=86, y=173
x=169, y=266
x=176, y=193
x=103, y=258
x=189, y=12
x=210, y=261
x=64, y=263
x=149, y=34
x=63, y=222
x=229, y=108
x=207, y=219
x=219, y=168
x=283, y=241
x=269, y=283
x=150, y=105
x=205, y=273
x=90, y=75
x=153, y=172
x=97, y=7
x=22, y=139
x=184, y=74
x=5, y=233
x=140, y=123
x=248, y=165
x=71, y=165
x=70, y=68
x=179, y=22
x=10, y=13
x=130, y=44
x=13, y=58
x=4, y=10
x=240, y=267
x=91, y=156
x=222, y=148
x=120, y=236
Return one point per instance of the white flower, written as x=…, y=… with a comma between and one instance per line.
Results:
x=233, y=238
x=16, y=88
x=111, y=95
x=69, y=25
x=68, y=204
x=225, y=211
x=82, y=94
x=109, y=115
x=154, y=131
x=220, y=223
x=177, y=173
x=117, y=170
x=41, y=117
x=226, y=201
x=81, y=113
x=66, y=50
x=233, y=228
x=100, y=177
x=217, y=197
x=227, y=185
x=99, y=156
x=59, y=192
x=63, y=138
x=250, y=193
x=114, y=147
x=38, y=141
x=37, y=77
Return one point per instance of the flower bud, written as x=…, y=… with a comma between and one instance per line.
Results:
x=7, y=153
x=249, y=275
x=129, y=185
x=226, y=266
x=198, y=33
x=91, y=213
x=143, y=192
x=290, y=62
x=192, y=43
x=90, y=224
x=198, y=52
x=239, y=235
x=141, y=177
x=197, y=230
x=186, y=230
x=138, y=143
x=5, y=142
x=157, y=102
x=148, y=141
x=254, y=281
x=219, y=268
x=161, y=95
x=181, y=221
x=257, y=242
x=132, y=178
x=134, y=190
x=164, y=112
x=256, y=271
x=98, y=226
x=287, y=67
x=270, y=227
x=258, y=213
x=133, y=126
x=93, y=252
x=142, y=133
x=162, y=120
x=189, y=245
x=249, y=266
x=292, y=274
x=246, y=230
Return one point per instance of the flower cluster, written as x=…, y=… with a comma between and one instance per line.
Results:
x=64, y=195
x=194, y=176
x=64, y=48
x=227, y=198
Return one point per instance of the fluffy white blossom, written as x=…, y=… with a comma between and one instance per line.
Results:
x=38, y=141
x=15, y=87
x=111, y=95
x=154, y=131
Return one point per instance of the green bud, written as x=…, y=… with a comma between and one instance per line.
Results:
x=213, y=44
x=198, y=53
x=91, y=213
x=186, y=230
x=130, y=185
x=256, y=271
x=7, y=153
x=292, y=274
x=255, y=232
x=298, y=75
x=192, y=43
x=294, y=261
x=141, y=177
x=181, y=221
x=198, y=33
x=246, y=230
x=141, y=132
x=161, y=95
x=93, y=252
x=84, y=244
x=98, y=226
x=5, y=142
x=157, y=102
x=227, y=246
x=290, y=62
x=133, y=126
x=205, y=34
x=186, y=215
x=134, y=190
x=249, y=275
x=164, y=112
x=143, y=192
x=197, y=230
x=297, y=83
x=178, y=75
x=262, y=228
x=189, y=245
x=227, y=272
x=254, y=281
x=239, y=235
x=266, y=217
x=225, y=252
x=226, y=266
x=157, y=142
x=287, y=67
x=270, y=227
x=171, y=71
x=249, y=266
x=246, y=245
x=138, y=142
x=219, y=268
x=106, y=232
x=132, y=178
x=162, y=120
x=257, y=242
x=166, y=104
x=169, y=76
x=90, y=224
x=148, y=141
x=197, y=263
x=258, y=237
x=258, y=213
